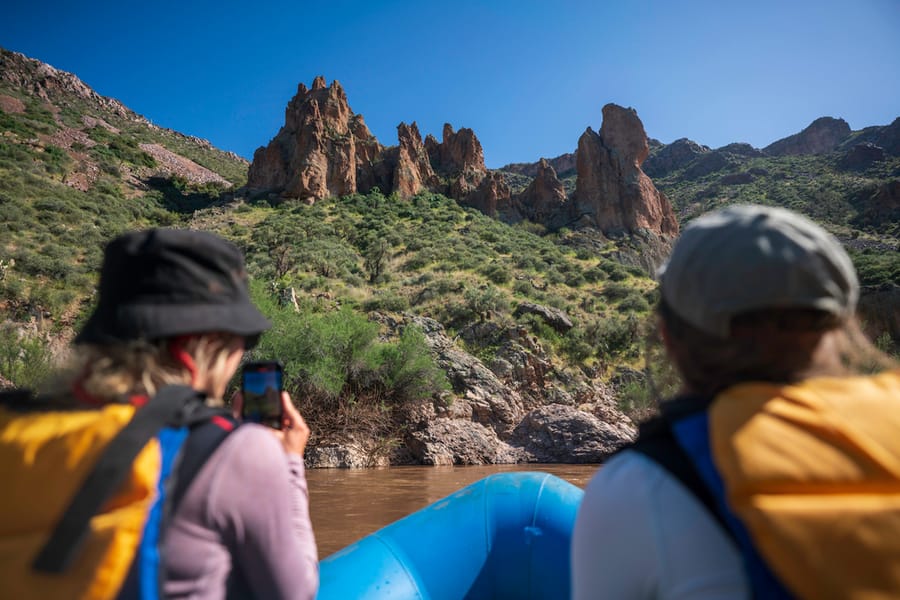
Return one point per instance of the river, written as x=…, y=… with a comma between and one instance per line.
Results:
x=347, y=504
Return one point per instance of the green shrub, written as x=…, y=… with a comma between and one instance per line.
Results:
x=389, y=301
x=633, y=302
x=497, y=273
x=24, y=360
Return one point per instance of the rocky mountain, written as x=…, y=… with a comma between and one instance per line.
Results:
x=324, y=149
x=822, y=136
x=68, y=116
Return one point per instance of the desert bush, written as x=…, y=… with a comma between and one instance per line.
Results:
x=497, y=272
x=24, y=360
x=633, y=302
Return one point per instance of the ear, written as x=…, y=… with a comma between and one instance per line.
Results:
x=666, y=335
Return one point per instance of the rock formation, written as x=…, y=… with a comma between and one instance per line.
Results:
x=324, y=150
x=564, y=163
x=413, y=172
x=674, y=156
x=493, y=418
x=492, y=196
x=612, y=193
x=862, y=156
x=320, y=149
x=545, y=196
x=822, y=136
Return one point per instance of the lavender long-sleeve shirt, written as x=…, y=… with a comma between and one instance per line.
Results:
x=247, y=511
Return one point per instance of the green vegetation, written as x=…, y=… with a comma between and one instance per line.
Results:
x=342, y=377
x=816, y=185
x=73, y=175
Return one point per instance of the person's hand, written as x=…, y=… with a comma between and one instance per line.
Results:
x=294, y=432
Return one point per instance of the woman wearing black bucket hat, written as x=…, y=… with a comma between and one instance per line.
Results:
x=174, y=308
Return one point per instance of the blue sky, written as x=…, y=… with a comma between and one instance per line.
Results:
x=527, y=76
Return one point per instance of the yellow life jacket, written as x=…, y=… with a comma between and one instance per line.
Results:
x=83, y=492
x=813, y=472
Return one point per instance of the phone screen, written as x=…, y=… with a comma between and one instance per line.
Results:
x=261, y=384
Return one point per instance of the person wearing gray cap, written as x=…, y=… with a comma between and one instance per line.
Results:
x=775, y=473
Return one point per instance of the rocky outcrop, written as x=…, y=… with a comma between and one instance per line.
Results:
x=883, y=136
x=672, y=157
x=492, y=196
x=320, y=150
x=456, y=442
x=458, y=152
x=736, y=178
x=554, y=317
x=822, y=136
x=562, y=164
x=545, y=196
x=558, y=433
x=862, y=156
x=507, y=413
x=413, y=172
x=611, y=191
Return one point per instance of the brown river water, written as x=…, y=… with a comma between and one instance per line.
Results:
x=348, y=504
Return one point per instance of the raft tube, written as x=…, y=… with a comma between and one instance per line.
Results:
x=505, y=536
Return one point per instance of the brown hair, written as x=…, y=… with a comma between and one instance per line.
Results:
x=778, y=345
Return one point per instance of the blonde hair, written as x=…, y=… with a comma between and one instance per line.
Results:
x=111, y=373
x=777, y=345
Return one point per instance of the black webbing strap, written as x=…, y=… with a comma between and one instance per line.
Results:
x=213, y=426
x=657, y=442
x=170, y=406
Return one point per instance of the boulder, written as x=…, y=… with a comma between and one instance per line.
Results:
x=554, y=317
x=558, y=433
x=457, y=442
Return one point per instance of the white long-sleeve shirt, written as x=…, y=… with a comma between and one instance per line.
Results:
x=640, y=534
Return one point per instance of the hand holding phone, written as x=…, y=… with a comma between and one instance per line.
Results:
x=261, y=386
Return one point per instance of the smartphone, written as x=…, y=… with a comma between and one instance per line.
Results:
x=261, y=385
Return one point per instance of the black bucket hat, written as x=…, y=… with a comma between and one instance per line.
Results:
x=163, y=283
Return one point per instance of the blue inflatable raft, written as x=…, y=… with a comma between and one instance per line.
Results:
x=505, y=536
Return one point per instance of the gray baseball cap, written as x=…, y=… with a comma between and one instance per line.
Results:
x=745, y=258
